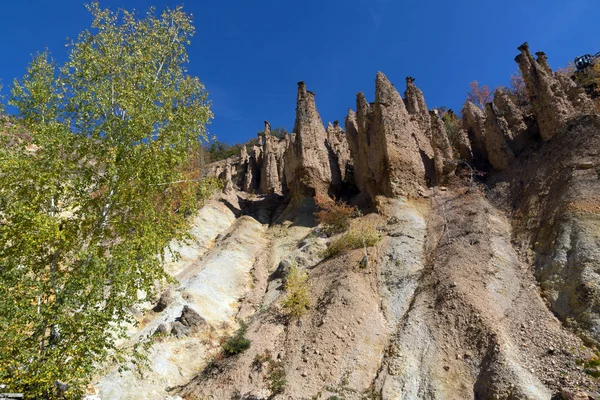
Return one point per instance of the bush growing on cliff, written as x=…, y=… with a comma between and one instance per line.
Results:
x=238, y=342
x=334, y=216
x=278, y=132
x=453, y=126
x=479, y=96
x=297, y=288
x=92, y=197
x=361, y=234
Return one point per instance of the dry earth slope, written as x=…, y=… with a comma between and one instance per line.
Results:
x=484, y=289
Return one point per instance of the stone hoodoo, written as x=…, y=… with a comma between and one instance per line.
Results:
x=551, y=105
x=270, y=177
x=497, y=132
x=443, y=153
x=396, y=146
x=473, y=120
x=307, y=160
x=358, y=146
x=340, y=153
x=416, y=106
x=391, y=141
x=251, y=169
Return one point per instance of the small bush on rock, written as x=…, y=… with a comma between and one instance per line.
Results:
x=276, y=378
x=238, y=342
x=297, y=287
x=361, y=234
x=334, y=216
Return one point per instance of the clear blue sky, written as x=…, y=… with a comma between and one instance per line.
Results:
x=250, y=54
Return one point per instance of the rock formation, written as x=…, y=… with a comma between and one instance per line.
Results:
x=462, y=297
x=519, y=133
x=307, y=163
x=251, y=171
x=338, y=147
x=550, y=103
x=443, y=153
x=270, y=181
x=415, y=104
x=392, y=154
x=474, y=124
x=497, y=132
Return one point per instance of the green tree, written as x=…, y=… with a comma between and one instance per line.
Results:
x=90, y=197
x=279, y=132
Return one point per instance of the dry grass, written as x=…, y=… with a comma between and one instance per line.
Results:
x=361, y=234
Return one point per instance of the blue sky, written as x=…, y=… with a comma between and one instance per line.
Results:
x=250, y=54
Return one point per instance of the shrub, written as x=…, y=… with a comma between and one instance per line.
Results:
x=453, y=127
x=238, y=342
x=591, y=366
x=334, y=216
x=298, y=292
x=276, y=378
x=361, y=234
x=207, y=187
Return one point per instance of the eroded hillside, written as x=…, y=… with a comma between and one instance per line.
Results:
x=484, y=288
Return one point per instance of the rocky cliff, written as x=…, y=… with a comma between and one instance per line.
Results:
x=485, y=283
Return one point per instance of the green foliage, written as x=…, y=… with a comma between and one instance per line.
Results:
x=276, y=378
x=360, y=235
x=90, y=198
x=207, y=187
x=238, y=342
x=278, y=132
x=453, y=127
x=591, y=366
x=220, y=151
x=334, y=216
x=297, y=299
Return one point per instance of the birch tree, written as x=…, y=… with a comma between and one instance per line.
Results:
x=86, y=204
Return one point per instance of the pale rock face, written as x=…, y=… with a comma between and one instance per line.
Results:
x=227, y=177
x=307, y=164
